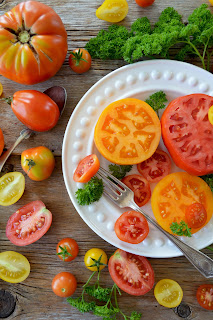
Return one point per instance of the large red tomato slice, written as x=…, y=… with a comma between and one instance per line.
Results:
x=29, y=223
x=132, y=273
x=187, y=133
x=33, y=43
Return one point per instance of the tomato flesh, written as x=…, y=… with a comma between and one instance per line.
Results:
x=64, y=284
x=29, y=223
x=196, y=215
x=86, y=169
x=1, y=141
x=205, y=296
x=168, y=293
x=132, y=273
x=12, y=186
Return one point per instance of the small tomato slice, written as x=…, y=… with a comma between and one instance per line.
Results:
x=140, y=186
x=86, y=169
x=80, y=60
x=156, y=167
x=67, y=249
x=64, y=284
x=14, y=267
x=144, y=3
x=210, y=114
x=132, y=273
x=12, y=186
x=196, y=215
x=92, y=256
x=131, y=227
x=205, y=296
x=29, y=223
x=168, y=293
x=1, y=141
x=113, y=10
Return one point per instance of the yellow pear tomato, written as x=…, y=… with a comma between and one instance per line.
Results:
x=113, y=10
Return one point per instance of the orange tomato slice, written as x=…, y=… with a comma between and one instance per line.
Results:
x=175, y=193
x=127, y=132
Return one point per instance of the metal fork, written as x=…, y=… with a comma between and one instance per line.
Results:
x=122, y=196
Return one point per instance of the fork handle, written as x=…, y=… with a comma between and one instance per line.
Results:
x=198, y=259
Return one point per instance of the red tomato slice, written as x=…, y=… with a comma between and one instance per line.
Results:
x=29, y=223
x=86, y=168
x=196, y=215
x=156, y=167
x=205, y=296
x=140, y=186
x=132, y=227
x=187, y=133
x=132, y=273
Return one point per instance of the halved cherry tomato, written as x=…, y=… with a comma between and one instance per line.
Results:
x=196, y=215
x=12, y=186
x=131, y=227
x=132, y=273
x=64, y=284
x=14, y=267
x=92, y=256
x=156, y=167
x=205, y=296
x=67, y=249
x=80, y=60
x=86, y=168
x=127, y=132
x=144, y=3
x=168, y=293
x=187, y=133
x=140, y=186
x=29, y=223
x=113, y=10
x=1, y=141
x=210, y=115
x=175, y=193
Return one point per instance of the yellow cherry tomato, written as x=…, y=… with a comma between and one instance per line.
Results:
x=112, y=10
x=14, y=267
x=95, y=253
x=168, y=293
x=12, y=186
x=1, y=89
x=211, y=1
x=210, y=112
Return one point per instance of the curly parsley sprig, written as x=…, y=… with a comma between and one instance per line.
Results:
x=181, y=229
x=119, y=171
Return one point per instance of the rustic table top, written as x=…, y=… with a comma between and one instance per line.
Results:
x=34, y=298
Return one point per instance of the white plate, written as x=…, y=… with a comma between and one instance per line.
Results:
x=138, y=80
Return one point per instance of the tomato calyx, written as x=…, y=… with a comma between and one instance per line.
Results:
x=9, y=100
x=24, y=36
x=97, y=263
x=64, y=253
x=30, y=163
x=77, y=57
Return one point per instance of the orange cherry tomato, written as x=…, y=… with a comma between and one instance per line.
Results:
x=1, y=141
x=196, y=215
x=67, y=249
x=144, y=3
x=205, y=296
x=80, y=60
x=64, y=284
x=86, y=169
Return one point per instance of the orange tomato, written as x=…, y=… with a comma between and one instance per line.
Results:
x=127, y=132
x=33, y=43
x=175, y=193
x=1, y=141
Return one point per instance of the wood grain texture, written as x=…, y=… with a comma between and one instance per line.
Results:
x=34, y=297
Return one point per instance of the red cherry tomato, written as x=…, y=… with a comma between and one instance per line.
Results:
x=86, y=168
x=80, y=60
x=140, y=186
x=156, y=167
x=144, y=3
x=131, y=227
x=196, y=215
x=1, y=141
x=67, y=249
x=29, y=223
x=64, y=284
x=132, y=273
x=205, y=296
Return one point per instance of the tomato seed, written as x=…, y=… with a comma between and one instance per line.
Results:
x=17, y=231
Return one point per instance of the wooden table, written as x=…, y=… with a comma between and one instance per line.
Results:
x=34, y=298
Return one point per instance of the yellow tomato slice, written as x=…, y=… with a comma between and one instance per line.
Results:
x=14, y=267
x=168, y=293
x=174, y=193
x=12, y=186
x=210, y=115
x=112, y=10
x=97, y=254
x=127, y=132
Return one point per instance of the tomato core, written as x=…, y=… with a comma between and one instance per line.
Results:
x=24, y=36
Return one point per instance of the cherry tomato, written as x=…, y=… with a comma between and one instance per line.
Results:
x=113, y=10
x=86, y=168
x=97, y=255
x=67, y=249
x=168, y=293
x=205, y=296
x=38, y=163
x=35, y=109
x=64, y=284
x=196, y=215
x=156, y=167
x=14, y=267
x=210, y=115
x=211, y=1
x=80, y=60
x=144, y=3
x=140, y=186
x=1, y=89
x=29, y=223
x=12, y=186
x=132, y=273
x=131, y=227
x=1, y=141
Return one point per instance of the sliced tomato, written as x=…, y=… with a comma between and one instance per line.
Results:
x=205, y=296
x=187, y=133
x=132, y=227
x=140, y=186
x=168, y=293
x=132, y=273
x=86, y=169
x=210, y=115
x=156, y=167
x=29, y=223
x=196, y=215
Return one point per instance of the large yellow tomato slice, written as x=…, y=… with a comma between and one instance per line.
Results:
x=168, y=293
x=12, y=186
x=127, y=132
x=174, y=193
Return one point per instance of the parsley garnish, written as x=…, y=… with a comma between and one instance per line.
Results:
x=157, y=100
x=181, y=229
x=118, y=171
x=209, y=180
x=91, y=192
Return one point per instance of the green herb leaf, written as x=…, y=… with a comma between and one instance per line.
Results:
x=118, y=171
x=91, y=192
x=101, y=294
x=157, y=100
x=181, y=229
x=81, y=305
x=209, y=180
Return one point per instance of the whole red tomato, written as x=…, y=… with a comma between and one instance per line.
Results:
x=1, y=141
x=64, y=284
x=67, y=249
x=144, y=3
x=38, y=163
x=35, y=109
x=80, y=60
x=33, y=43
